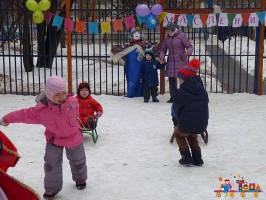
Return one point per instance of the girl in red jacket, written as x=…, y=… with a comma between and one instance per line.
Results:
x=89, y=108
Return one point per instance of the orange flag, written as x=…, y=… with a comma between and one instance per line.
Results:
x=245, y=17
x=204, y=18
x=118, y=25
x=80, y=27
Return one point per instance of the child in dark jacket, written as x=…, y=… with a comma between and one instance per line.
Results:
x=192, y=113
x=149, y=76
x=88, y=106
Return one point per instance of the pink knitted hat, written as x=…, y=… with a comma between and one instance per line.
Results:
x=54, y=84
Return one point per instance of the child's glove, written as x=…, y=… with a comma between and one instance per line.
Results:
x=2, y=123
x=99, y=113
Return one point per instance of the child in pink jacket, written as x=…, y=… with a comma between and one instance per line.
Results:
x=58, y=112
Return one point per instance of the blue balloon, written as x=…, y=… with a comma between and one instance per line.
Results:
x=151, y=21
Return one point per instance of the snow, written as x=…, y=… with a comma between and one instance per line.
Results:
x=133, y=158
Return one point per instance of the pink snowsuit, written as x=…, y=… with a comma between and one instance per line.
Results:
x=60, y=121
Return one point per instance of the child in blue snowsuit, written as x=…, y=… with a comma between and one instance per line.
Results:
x=149, y=76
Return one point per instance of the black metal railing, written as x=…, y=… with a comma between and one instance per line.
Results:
x=226, y=54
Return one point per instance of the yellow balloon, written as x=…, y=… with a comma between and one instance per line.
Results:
x=38, y=17
x=44, y=5
x=32, y=5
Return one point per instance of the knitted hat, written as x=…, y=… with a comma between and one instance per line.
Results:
x=171, y=26
x=150, y=52
x=190, y=70
x=54, y=84
x=83, y=85
x=137, y=29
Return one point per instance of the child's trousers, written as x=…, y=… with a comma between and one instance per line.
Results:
x=53, y=160
x=186, y=140
x=150, y=91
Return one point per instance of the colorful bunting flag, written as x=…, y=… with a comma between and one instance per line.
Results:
x=204, y=18
x=231, y=17
x=176, y=17
x=261, y=16
x=223, y=19
x=68, y=25
x=57, y=21
x=118, y=25
x=169, y=18
x=197, y=23
x=161, y=17
x=48, y=17
x=93, y=27
x=105, y=27
x=211, y=21
x=253, y=20
x=80, y=27
x=190, y=19
x=130, y=22
x=182, y=20
x=245, y=17
x=238, y=20
x=141, y=19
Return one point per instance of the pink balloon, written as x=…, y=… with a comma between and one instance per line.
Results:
x=143, y=10
x=157, y=9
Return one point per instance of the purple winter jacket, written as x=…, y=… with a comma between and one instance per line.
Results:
x=176, y=46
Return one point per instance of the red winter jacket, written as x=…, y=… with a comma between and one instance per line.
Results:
x=87, y=108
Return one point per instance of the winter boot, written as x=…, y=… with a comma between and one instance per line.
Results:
x=196, y=156
x=170, y=100
x=186, y=158
x=81, y=186
x=155, y=99
x=49, y=195
x=90, y=123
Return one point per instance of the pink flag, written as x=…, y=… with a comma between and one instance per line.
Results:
x=68, y=25
x=130, y=22
x=48, y=16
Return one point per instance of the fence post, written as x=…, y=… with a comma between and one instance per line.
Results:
x=69, y=54
x=261, y=51
x=162, y=77
x=256, y=71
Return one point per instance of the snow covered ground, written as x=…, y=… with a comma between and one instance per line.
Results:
x=133, y=158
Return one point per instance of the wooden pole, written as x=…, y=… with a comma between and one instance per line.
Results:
x=69, y=60
x=261, y=51
x=162, y=77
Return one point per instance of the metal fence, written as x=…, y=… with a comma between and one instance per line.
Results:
x=28, y=57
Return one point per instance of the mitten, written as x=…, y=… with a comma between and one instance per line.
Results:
x=99, y=113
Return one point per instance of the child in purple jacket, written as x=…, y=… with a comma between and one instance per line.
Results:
x=58, y=112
